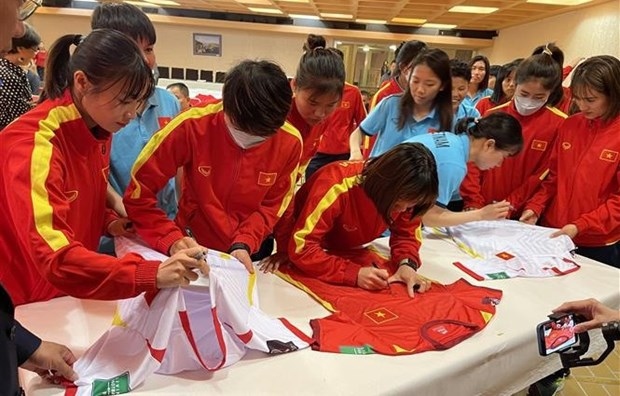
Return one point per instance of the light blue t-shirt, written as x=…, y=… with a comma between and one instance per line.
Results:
x=471, y=101
x=383, y=122
x=451, y=154
x=464, y=111
x=127, y=144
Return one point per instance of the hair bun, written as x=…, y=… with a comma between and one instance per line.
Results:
x=77, y=39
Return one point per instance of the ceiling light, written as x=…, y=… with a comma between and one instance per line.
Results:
x=559, y=2
x=438, y=26
x=473, y=9
x=409, y=21
x=301, y=16
x=265, y=10
x=371, y=21
x=262, y=2
x=393, y=47
x=338, y=43
x=336, y=16
x=366, y=48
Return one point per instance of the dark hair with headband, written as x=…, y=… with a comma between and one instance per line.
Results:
x=320, y=70
x=554, y=52
x=544, y=67
x=407, y=172
x=600, y=74
x=503, y=128
x=92, y=57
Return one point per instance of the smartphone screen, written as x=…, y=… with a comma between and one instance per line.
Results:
x=556, y=335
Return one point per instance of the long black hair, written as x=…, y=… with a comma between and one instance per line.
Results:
x=503, y=128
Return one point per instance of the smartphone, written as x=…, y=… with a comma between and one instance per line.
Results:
x=556, y=335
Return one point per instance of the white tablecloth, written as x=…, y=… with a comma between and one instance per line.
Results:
x=500, y=360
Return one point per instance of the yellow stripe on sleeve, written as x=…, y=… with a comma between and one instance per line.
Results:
x=328, y=199
x=291, y=130
x=158, y=138
x=40, y=162
x=557, y=111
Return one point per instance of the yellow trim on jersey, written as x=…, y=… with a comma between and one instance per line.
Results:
x=117, y=320
x=486, y=316
x=301, y=286
x=500, y=106
x=557, y=111
x=251, y=285
x=400, y=350
x=291, y=130
x=40, y=161
x=373, y=101
x=544, y=175
x=158, y=138
x=328, y=200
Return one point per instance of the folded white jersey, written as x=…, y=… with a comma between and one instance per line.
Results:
x=507, y=249
x=205, y=326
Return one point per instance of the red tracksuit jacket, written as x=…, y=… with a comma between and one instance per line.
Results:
x=333, y=212
x=583, y=186
x=310, y=135
x=53, y=173
x=484, y=105
x=518, y=177
x=389, y=88
x=229, y=194
x=338, y=127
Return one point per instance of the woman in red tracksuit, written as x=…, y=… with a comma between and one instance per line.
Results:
x=581, y=195
x=239, y=160
x=516, y=180
x=405, y=54
x=349, y=204
x=53, y=177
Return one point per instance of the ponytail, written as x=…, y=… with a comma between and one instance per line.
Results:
x=57, y=66
x=499, y=126
x=314, y=41
x=545, y=64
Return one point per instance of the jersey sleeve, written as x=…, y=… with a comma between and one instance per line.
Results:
x=168, y=150
x=604, y=220
x=547, y=189
x=471, y=188
x=316, y=217
x=49, y=240
x=406, y=238
x=376, y=119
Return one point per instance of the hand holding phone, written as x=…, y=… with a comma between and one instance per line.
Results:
x=556, y=334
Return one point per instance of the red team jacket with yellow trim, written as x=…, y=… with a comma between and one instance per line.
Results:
x=53, y=173
x=583, y=186
x=338, y=127
x=484, y=105
x=229, y=194
x=391, y=87
x=310, y=135
x=333, y=213
x=518, y=177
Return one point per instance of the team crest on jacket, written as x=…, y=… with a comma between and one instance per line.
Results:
x=106, y=172
x=505, y=256
x=266, y=179
x=539, y=145
x=345, y=104
x=381, y=315
x=163, y=121
x=609, y=155
x=205, y=170
x=566, y=145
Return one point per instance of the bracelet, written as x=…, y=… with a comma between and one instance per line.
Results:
x=239, y=245
x=409, y=263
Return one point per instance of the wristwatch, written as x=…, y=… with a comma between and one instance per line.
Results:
x=409, y=263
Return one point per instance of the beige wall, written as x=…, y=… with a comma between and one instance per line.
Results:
x=587, y=32
x=174, y=43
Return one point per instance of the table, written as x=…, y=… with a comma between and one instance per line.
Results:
x=500, y=360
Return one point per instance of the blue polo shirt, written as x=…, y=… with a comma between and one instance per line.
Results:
x=451, y=154
x=127, y=143
x=464, y=111
x=383, y=122
x=472, y=100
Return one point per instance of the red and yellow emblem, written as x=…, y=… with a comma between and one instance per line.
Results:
x=609, y=155
x=205, y=170
x=266, y=179
x=345, y=104
x=505, y=256
x=162, y=121
x=381, y=315
x=539, y=145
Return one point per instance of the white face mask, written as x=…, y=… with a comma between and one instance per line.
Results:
x=527, y=106
x=244, y=140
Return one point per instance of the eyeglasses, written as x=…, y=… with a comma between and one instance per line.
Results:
x=28, y=8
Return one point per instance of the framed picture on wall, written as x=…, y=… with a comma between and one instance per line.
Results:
x=207, y=44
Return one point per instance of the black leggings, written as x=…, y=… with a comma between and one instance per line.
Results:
x=609, y=254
